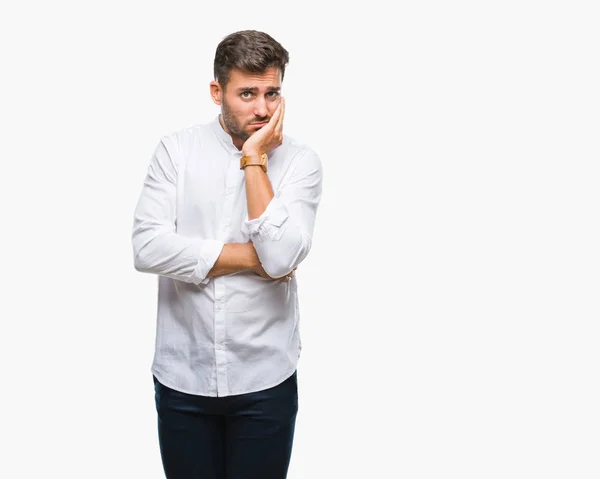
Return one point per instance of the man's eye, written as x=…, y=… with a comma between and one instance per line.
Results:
x=273, y=94
x=246, y=94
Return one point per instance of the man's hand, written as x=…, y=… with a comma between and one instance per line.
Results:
x=261, y=272
x=268, y=137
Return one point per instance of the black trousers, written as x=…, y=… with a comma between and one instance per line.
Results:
x=246, y=436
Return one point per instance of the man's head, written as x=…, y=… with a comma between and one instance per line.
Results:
x=249, y=67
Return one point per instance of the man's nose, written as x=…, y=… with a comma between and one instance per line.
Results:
x=260, y=107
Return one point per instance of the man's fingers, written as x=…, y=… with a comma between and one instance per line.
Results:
x=275, y=118
x=288, y=276
x=279, y=124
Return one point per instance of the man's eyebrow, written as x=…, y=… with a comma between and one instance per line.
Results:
x=254, y=89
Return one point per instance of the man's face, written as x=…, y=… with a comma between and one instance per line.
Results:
x=249, y=100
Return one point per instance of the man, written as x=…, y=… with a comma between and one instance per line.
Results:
x=226, y=215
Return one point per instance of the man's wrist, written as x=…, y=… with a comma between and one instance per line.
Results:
x=249, y=167
x=253, y=261
x=248, y=160
x=252, y=153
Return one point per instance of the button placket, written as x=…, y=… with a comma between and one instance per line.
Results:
x=231, y=184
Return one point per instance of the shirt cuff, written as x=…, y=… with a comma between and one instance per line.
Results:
x=209, y=252
x=267, y=225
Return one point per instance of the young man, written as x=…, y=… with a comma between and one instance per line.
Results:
x=226, y=215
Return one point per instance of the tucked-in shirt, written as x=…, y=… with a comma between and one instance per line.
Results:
x=235, y=333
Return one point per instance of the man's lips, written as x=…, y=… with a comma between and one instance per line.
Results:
x=259, y=124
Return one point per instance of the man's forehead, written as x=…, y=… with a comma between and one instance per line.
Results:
x=269, y=79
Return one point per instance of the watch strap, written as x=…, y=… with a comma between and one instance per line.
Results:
x=252, y=161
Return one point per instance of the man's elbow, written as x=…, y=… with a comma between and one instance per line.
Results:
x=142, y=257
x=141, y=263
x=143, y=247
x=277, y=263
x=276, y=270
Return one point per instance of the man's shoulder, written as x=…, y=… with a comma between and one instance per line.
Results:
x=300, y=150
x=190, y=131
x=185, y=136
x=295, y=147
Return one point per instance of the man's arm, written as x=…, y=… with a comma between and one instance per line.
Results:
x=235, y=258
x=239, y=257
x=281, y=227
x=282, y=234
x=259, y=191
x=157, y=247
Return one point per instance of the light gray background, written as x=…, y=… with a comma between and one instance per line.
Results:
x=450, y=301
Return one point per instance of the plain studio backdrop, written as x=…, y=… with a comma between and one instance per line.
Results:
x=449, y=306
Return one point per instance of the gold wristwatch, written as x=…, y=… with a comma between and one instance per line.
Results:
x=254, y=160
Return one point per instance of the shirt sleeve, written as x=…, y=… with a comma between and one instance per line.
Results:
x=282, y=235
x=157, y=247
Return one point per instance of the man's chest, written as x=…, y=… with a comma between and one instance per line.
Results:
x=211, y=195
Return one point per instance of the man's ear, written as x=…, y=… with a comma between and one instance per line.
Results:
x=216, y=92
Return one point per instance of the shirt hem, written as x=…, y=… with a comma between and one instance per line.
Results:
x=160, y=375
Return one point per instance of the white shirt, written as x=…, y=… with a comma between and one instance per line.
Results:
x=236, y=333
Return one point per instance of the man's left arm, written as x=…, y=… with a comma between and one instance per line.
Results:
x=281, y=226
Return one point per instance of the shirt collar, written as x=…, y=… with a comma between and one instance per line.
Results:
x=223, y=136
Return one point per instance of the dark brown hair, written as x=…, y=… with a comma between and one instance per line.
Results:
x=250, y=51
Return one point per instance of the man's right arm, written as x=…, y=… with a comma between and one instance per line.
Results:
x=157, y=247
